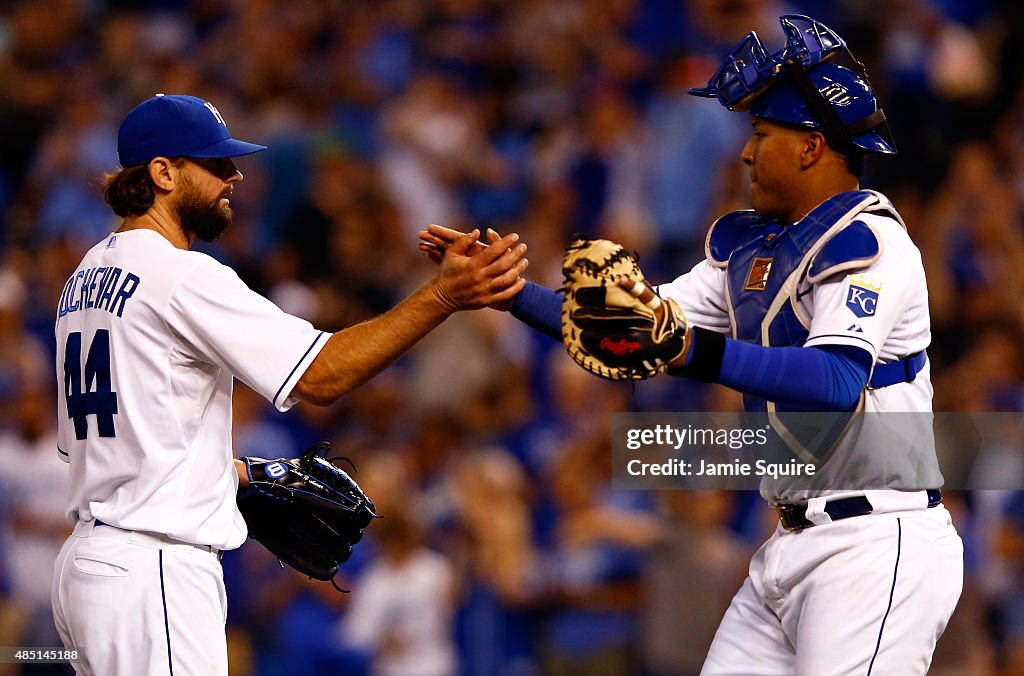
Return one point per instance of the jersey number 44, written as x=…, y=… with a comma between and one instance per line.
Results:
x=82, y=401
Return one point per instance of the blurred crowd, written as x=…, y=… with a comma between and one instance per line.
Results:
x=505, y=549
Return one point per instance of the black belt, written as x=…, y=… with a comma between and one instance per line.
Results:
x=793, y=517
x=219, y=553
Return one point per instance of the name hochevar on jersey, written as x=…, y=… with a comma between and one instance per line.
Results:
x=101, y=288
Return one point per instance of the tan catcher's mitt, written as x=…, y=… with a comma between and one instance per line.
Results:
x=617, y=333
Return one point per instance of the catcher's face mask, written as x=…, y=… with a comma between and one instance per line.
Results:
x=787, y=87
x=749, y=69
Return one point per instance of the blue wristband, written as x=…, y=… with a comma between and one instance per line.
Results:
x=704, y=361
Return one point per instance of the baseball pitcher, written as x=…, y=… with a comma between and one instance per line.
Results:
x=150, y=337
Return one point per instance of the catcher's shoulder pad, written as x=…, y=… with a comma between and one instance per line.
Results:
x=884, y=207
x=853, y=248
x=730, y=232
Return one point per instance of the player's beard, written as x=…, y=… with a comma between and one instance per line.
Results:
x=206, y=219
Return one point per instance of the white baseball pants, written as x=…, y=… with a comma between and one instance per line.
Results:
x=136, y=603
x=864, y=595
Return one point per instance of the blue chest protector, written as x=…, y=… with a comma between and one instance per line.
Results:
x=766, y=264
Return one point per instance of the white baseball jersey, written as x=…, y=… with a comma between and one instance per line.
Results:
x=894, y=324
x=149, y=340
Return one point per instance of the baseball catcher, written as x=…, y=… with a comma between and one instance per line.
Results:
x=613, y=323
x=814, y=300
x=308, y=511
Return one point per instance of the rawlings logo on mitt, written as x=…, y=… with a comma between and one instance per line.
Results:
x=617, y=332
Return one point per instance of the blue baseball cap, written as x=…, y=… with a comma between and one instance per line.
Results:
x=175, y=125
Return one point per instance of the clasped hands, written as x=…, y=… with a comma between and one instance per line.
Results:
x=474, y=274
x=436, y=240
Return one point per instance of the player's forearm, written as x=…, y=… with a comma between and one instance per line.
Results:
x=243, y=475
x=540, y=308
x=491, y=277
x=354, y=355
x=824, y=379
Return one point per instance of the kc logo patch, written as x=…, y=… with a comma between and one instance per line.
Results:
x=862, y=298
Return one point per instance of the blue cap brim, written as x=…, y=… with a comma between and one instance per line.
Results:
x=874, y=142
x=229, y=147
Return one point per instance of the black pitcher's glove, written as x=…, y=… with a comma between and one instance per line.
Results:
x=308, y=511
x=618, y=333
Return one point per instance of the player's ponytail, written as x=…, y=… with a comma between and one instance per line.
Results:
x=130, y=192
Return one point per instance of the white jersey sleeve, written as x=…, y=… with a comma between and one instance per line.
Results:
x=242, y=332
x=700, y=294
x=883, y=308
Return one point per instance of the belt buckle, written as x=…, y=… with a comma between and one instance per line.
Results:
x=785, y=512
x=219, y=553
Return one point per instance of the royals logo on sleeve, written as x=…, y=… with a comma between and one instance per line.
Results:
x=862, y=296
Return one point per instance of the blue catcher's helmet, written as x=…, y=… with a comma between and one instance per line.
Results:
x=813, y=82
